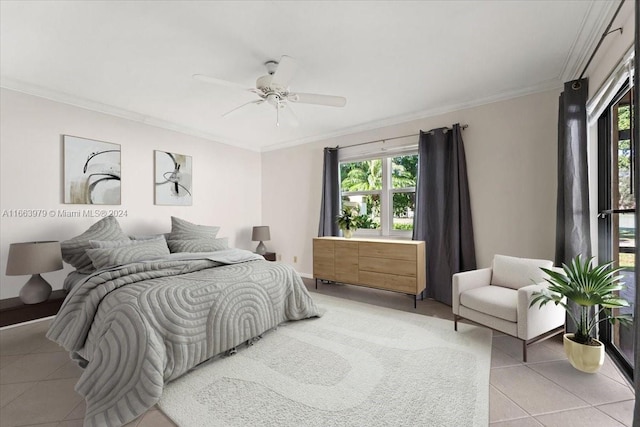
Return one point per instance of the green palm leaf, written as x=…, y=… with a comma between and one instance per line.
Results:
x=587, y=286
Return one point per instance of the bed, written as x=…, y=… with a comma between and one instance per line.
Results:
x=140, y=320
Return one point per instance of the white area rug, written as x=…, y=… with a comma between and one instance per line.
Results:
x=358, y=365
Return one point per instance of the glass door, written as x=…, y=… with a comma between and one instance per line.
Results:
x=616, y=219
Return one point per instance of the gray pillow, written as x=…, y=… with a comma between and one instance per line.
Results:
x=74, y=250
x=149, y=236
x=184, y=230
x=136, y=251
x=104, y=244
x=199, y=245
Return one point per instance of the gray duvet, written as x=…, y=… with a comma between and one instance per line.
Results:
x=135, y=327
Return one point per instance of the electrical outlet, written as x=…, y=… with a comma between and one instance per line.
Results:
x=295, y=259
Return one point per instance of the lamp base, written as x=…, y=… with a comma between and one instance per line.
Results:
x=36, y=290
x=261, y=249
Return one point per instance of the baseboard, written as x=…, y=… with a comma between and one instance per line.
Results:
x=15, y=325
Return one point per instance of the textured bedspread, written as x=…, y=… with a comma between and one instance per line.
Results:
x=138, y=326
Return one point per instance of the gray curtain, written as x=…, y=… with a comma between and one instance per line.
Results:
x=442, y=216
x=572, y=223
x=572, y=227
x=330, y=203
x=636, y=136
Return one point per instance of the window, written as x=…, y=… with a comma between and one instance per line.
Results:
x=616, y=221
x=384, y=191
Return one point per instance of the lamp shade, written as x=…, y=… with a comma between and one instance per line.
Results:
x=33, y=258
x=260, y=233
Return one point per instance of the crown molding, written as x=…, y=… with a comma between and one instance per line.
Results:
x=553, y=84
x=56, y=96
x=65, y=98
x=593, y=26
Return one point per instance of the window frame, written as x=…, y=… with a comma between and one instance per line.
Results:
x=605, y=126
x=385, y=193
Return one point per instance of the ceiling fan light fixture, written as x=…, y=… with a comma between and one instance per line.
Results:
x=271, y=66
x=274, y=99
x=274, y=89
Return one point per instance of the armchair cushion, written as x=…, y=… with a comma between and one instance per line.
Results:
x=514, y=273
x=497, y=301
x=462, y=282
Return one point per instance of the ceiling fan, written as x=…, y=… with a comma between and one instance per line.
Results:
x=273, y=88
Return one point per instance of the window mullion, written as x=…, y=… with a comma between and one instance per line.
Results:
x=385, y=209
x=360, y=193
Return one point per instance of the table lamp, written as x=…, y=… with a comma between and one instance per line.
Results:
x=261, y=233
x=34, y=258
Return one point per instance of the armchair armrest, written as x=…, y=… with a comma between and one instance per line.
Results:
x=466, y=280
x=536, y=320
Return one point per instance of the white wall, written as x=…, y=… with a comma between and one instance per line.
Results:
x=511, y=160
x=226, y=185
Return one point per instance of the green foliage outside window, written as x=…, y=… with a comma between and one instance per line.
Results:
x=361, y=176
x=366, y=175
x=626, y=200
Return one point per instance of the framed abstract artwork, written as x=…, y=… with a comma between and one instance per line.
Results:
x=91, y=171
x=173, y=174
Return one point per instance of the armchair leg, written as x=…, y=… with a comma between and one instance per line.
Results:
x=455, y=322
x=539, y=338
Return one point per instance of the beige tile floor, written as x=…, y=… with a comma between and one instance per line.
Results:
x=37, y=378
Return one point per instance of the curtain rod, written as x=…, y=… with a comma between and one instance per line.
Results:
x=463, y=127
x=605, y=34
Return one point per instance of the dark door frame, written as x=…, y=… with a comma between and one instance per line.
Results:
x=605, y=221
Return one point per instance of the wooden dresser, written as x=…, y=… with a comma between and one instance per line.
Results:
x=392, y=265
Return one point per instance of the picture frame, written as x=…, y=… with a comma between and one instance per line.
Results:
x=92, y=171
x=173, y=179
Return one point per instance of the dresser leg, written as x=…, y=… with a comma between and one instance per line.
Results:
x=415, y=301
x=316, y=283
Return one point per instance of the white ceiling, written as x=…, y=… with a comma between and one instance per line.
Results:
x=392, y=60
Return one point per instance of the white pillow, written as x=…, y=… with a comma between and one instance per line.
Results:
x=514, y=273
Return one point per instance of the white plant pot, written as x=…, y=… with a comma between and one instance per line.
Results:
x=585, y=358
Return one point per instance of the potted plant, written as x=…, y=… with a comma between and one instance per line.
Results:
x=593, y=289
x=348, y=221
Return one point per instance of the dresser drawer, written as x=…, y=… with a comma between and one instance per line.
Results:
x=389, y=266
x=389, y=282
x=323, y=248
x=323, y=260
x=346, y=262
x=323, y=269
x=387, y=250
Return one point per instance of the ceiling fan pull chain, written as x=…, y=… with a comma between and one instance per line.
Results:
x=278, y=114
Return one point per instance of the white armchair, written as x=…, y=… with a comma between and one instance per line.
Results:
x=499, y=297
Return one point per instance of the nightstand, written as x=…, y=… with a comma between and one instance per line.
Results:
x=270, y=256
x=13, y=310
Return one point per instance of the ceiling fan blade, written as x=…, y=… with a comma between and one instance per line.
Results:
x=284, y=73
x=256, y=102
x=313, y=98
x=221, y=82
